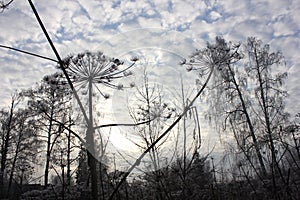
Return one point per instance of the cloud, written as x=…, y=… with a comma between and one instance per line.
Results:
x=292, y=87
x=214, y=15
x=80, y=25
x=284, y=25
x=160, y=30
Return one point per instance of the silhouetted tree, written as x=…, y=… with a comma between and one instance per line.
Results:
x=50, y=102
x=269, y=101
x=152, y=107
x=25, y=145
x=7, y=126
x=228, y=99
x=247, y=99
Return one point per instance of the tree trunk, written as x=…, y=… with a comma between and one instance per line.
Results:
x=48, y=153
x=251, y=128
x=263, y=96
x=6, y=144
x=13, y=165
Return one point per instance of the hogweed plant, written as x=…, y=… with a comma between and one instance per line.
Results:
x=92, y=73
x=97, y=70
x=217, y=56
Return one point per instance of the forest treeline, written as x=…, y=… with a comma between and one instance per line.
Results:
x=53, y=126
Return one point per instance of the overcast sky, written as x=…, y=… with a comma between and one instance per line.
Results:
x=160, y=32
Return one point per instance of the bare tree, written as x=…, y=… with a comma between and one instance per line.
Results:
x=25, y=146
x=49, y=102
x=150, y=105
x=247, y=99
x=7, y=126
x=189, y=140
x=269, y=96
x=227, y=97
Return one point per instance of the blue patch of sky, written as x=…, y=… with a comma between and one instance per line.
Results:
x=145, y=14
x=170, y=6
x=21, y=43
x=116, y=4
x=60, y=32
x=111, y=26
x=25, y=45
x=204, y=36
x=128, y=15
x=206, y=16
x=183, y=27
x=157, y=13
x=210, y=8
x=63, y=35
x=82, y=11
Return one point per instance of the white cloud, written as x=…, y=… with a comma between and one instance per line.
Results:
x=292, y=86
x=150, y=23
x=284, y=25
x=214, y=15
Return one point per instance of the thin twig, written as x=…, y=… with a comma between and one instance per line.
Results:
x=134, y=124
